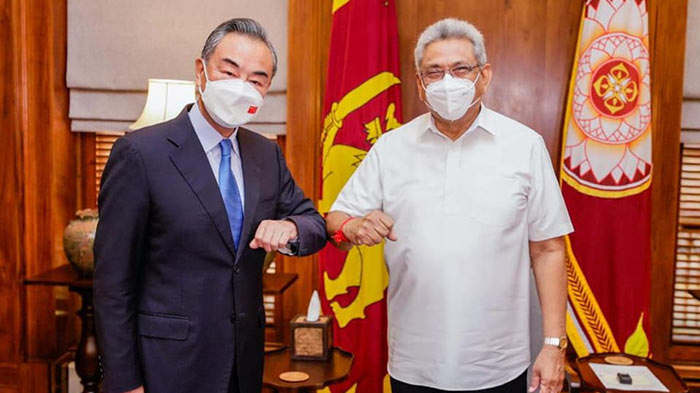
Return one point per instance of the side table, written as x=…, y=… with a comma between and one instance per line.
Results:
x=665, y=373
x=321, y=373
x=87, y=364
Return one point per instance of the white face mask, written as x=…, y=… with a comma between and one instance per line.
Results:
x=230, y=102
x=451, y=97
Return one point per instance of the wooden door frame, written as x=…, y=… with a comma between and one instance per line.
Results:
x=308, y=38
x=667, y=31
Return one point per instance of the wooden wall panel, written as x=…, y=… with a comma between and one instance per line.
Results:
x=86, y=176
x=10, y=198
x=48, y=160
x=309, y=32
x=9, y=376
x=34, y=377
x=530, y=45
x=667, y=23
x=38, y=174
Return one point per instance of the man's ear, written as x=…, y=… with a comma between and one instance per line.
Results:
x=486, y=75
x=419, y=86
x=199, y=72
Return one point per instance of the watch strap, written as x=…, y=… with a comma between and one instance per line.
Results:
x=559, y=342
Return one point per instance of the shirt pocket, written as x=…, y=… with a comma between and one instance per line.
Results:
x=497, y=200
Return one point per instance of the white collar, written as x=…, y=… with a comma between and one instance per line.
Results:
x=208, y=136
x=482, y=121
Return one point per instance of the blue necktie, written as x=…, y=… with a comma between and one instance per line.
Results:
x=229, y=192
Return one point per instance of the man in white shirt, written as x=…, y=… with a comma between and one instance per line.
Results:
x=469, y=203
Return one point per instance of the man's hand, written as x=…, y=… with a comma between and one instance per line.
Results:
x=273, y=235
x=370, y=230
x=137, y=390
x=548, y=371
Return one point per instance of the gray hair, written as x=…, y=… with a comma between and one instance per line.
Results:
x=451, y=28
x=244, y=26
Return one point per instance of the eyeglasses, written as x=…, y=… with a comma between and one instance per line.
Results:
x=459, y=71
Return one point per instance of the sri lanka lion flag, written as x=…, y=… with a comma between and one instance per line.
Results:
x=605, y=177
x=362, y=101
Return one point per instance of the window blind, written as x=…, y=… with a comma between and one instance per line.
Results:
x=686, y=309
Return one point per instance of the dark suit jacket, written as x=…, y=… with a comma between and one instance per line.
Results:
x=175, y=303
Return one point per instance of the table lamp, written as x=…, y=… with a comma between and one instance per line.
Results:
x=165, y=99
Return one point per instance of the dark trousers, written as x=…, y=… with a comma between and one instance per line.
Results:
x=518, y=385
x=233, y=382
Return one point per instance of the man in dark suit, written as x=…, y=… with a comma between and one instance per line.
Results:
x=188, y=209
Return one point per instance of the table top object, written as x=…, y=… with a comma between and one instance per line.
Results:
x=294, y=376
x=321, y=373
x=78, y=239
x=618, y=360
x=665, y=373
x=311, y=340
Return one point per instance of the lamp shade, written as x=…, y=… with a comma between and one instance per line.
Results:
x=165, y=99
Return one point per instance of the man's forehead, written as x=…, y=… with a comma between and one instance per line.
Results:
x=241, y=47
x=451, y=50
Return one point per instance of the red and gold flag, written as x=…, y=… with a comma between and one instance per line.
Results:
x=606, y=172
x=362, y=101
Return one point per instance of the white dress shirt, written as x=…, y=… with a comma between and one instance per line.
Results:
x=464, y=211
x=210, y=139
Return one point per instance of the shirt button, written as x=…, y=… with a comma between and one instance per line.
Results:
x=233, y=318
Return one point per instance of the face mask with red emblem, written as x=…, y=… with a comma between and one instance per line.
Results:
x=230, y=102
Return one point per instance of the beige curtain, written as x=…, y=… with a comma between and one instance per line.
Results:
x=115, y=46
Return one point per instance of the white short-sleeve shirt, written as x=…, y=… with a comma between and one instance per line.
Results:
x=464, y=211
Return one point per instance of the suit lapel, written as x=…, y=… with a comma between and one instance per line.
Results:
x=251, y=182
x=192, y=163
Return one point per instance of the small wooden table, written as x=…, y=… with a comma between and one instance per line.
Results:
x=87, y=364
x=666, y=374
x=321, y=373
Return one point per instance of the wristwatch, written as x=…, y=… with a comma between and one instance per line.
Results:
x=559, y=342
x=291, y=249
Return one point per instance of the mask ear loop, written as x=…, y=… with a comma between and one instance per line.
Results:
x=478, y=99
x=425, y=91
x=206, y=77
